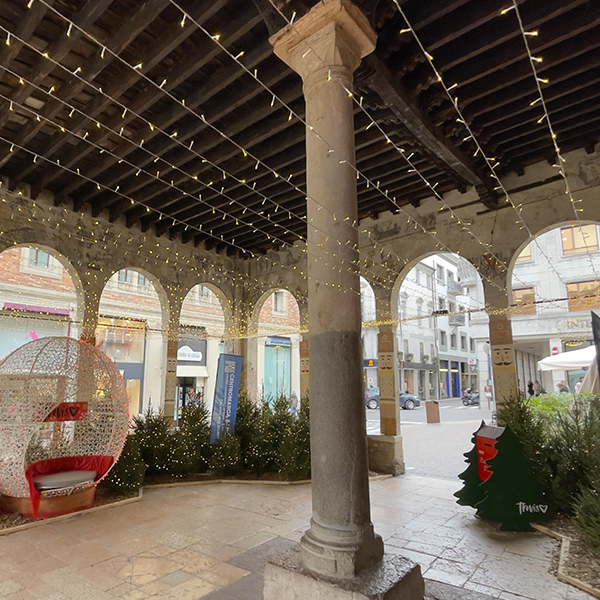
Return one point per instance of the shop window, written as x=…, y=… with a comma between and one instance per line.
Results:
x=142, y=280
x=39, y=259
x=440, y=273
x=525, y=255
x=523, y=302
x=122, y=339
x=40, y=263
x=279, y=302
x=578, y=240
x=584, y=295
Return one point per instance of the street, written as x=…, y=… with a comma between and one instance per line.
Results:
x=436, y=449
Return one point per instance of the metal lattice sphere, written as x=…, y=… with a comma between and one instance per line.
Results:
x=63, y=406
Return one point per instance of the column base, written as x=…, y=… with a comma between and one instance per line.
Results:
x=386, y=454
x=395, y=578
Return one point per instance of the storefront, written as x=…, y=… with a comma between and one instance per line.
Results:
x=20, y=324
x=191, y=371
x=278, y=367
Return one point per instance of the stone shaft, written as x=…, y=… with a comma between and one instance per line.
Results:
x=325, y=47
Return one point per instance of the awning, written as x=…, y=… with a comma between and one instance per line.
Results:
x=565, y=361
x=191, y=371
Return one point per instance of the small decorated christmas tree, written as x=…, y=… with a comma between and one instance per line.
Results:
x=512, y=495
x=471, y=493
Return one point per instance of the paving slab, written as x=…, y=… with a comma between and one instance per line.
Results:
x=211, y=542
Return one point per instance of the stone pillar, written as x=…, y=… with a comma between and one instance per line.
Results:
x=304, y=351
x=242, y=341
x=91, y=303
x=386, y=454
x=504, y=368
x=170, y=328
x=325, y=47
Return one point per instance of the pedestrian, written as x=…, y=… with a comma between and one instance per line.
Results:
x=563, y=387
x=537, y=387
x=578, y=385
x=530, y=388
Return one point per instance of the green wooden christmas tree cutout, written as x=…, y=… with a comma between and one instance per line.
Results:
x=512, y=495
x=471, y=493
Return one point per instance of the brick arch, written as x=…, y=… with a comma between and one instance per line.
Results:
x=74, y=275
x=165, y=307
x=224, y=302
x=259, y=304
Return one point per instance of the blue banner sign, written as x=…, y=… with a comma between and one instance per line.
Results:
x=229, y=375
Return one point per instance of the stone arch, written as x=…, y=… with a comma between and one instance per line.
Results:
x=202, y=328
x=554, y=281
x=133, y=323
x=63, y=279
x=430, y=343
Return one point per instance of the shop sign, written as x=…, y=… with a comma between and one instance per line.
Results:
x=278, y=341
x=192, y=351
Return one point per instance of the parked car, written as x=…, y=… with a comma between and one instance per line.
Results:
x=372, y=398
x=407, y=401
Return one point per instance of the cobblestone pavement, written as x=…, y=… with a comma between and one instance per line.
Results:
x=211, y=542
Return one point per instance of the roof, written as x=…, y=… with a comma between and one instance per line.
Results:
x=176, y=115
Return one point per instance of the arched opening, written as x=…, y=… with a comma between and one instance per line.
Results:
x=555, y=285
x=130, y=330
x=40, y=296
x=201, y=333
x=442, y=329
x=277, y=345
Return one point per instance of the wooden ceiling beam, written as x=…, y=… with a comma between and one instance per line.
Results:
x=257, y=133
x=95, y=64
x=150, y=57
x=420, y=125
x=242, y=24
x=134, y=185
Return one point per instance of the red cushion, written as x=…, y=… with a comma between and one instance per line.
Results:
x=100, y=464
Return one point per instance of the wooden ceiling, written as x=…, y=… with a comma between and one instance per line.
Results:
x=127, y=107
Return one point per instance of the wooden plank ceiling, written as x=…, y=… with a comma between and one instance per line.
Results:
x=176, y=114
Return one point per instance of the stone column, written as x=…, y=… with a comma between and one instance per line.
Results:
x=92, y=290
x=170, y=328
x=504, y=368
x=386, y=454
x=241, y=340
x=325, y=47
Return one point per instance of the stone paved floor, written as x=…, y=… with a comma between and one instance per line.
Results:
x=211, y=542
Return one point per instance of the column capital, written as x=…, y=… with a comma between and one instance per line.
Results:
x=333, y=34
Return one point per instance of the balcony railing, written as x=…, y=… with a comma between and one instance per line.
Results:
x=456, y=320
x=455, y=288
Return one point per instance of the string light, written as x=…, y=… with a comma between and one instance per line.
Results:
x=546, y=117
x=489, y=161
